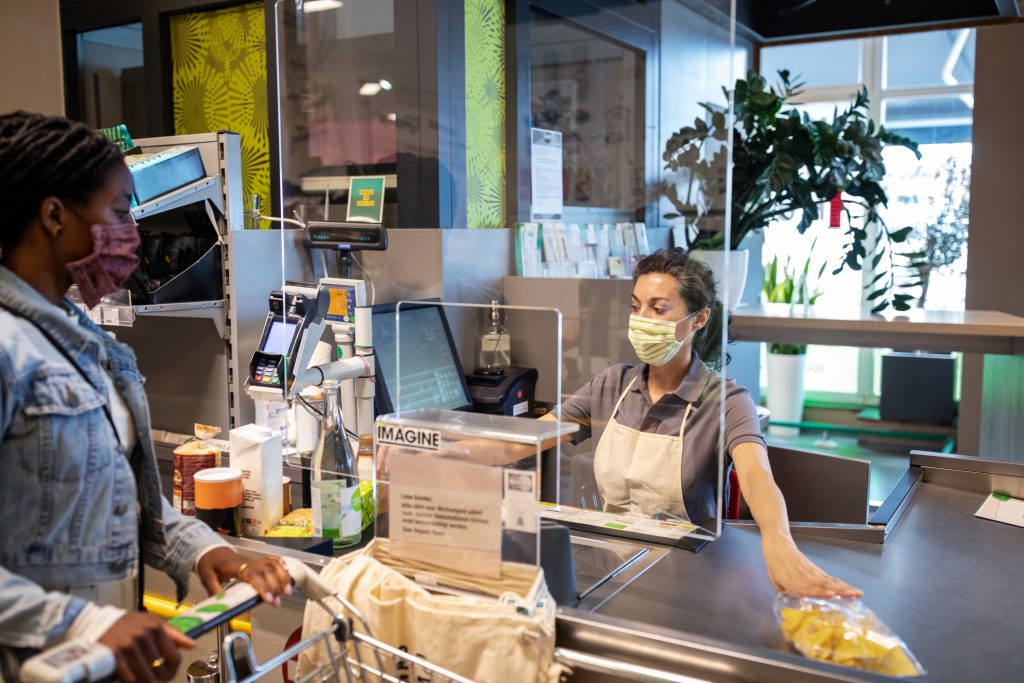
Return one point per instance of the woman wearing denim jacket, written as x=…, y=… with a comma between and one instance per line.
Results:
x=79, y=487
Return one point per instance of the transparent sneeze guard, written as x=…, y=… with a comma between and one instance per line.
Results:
x=458, y=491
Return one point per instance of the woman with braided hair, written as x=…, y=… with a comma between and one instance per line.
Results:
x=79, y=485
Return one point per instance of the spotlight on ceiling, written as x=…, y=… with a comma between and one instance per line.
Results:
x=318, y=5
x=369, y=89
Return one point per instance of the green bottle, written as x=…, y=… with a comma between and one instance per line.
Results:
x=337, y=501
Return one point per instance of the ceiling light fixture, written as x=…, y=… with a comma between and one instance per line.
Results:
x=321, y=5
x=392, y=116
x=369, y=89
x=384, y=83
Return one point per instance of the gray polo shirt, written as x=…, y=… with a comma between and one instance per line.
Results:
x=591, y=407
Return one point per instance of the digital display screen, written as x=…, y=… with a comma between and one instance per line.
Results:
x=431, y=376
x=279, y=339
x=341, y=304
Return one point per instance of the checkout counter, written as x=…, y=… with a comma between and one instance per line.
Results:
x=944, y=580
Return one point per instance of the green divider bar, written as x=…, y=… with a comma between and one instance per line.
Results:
x=848, y=429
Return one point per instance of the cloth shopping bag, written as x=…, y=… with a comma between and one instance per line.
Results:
x=491, y=631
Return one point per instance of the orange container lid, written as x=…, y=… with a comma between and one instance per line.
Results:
x=218, y=488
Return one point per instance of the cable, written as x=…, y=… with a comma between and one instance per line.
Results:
x=311, y=408
x=373, y=290
x=274, y=219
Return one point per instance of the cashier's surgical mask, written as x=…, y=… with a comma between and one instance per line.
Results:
x=654, y=340
x=113, y=259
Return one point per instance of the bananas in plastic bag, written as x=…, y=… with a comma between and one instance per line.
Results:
x=844, y=631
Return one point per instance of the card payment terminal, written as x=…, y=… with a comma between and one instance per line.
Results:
x=274, y=361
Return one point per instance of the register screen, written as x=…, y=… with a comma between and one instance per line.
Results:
x=431, y=374
x=279, y=338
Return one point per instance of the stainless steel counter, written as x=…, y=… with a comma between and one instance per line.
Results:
x=950, y=584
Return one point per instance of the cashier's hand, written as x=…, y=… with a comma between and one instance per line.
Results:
x=267, y=575
x=145, y=648
x=792, y=573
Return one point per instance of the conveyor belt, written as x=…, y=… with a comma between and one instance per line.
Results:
x=950, y=584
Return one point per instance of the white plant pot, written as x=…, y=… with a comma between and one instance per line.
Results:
x=736, y=277
x=786, y=391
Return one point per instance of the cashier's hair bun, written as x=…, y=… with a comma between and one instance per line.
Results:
x=48, y=156
x=697, y=288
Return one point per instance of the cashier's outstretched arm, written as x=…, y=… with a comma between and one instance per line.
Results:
x=788, y=568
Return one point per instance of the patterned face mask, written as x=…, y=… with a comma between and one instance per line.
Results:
x=654, y=340
x=112, y=260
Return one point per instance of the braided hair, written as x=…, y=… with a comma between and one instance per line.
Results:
x=697, y=289
x=47, y=156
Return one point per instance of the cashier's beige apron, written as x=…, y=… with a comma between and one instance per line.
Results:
x=638, y=471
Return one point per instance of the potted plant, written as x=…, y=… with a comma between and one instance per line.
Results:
x=786, y=162
x=787, y=362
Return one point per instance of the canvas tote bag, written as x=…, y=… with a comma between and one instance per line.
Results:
x=508, y=635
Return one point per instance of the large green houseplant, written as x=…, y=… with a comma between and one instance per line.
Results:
x=785, y=162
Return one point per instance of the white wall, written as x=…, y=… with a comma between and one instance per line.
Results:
x=31, y=76
x=996, y=241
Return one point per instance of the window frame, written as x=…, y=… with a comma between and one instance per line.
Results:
x=873, y=76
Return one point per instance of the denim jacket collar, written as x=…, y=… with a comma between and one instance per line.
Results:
x=23, y=299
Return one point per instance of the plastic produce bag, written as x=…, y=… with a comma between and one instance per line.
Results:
x=844, y=631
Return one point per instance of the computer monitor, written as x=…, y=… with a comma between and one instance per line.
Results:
x=431, y=372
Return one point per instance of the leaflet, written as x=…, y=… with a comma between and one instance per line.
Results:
x=629, y=522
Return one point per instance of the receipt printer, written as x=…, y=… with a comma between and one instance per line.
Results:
x=509, y=391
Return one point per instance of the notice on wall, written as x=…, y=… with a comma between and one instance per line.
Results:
x=446, y=513
x=545, y=175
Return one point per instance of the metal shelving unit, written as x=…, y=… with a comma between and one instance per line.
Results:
x=165, y=339
x=215, y=311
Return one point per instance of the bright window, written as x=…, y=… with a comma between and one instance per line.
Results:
x=920, y=86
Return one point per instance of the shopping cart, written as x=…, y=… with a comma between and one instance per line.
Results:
x=349, y=653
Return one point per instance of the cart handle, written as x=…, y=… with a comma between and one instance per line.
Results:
x=238, y=597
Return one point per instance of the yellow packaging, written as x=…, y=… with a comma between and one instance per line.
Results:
x=844, y=631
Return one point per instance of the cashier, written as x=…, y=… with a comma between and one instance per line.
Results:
x=80, y=498
x=656, y=424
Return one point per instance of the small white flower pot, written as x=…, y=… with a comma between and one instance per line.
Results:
x=786, y=391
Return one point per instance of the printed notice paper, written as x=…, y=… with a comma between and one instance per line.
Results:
x=446, y=513
x=1002, y=508
x=545, y=175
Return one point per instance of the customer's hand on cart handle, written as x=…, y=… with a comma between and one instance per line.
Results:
x=267, y=575
x=145, y=648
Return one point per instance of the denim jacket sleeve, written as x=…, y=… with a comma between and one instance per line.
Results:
x=31, y=617
x=185, y=538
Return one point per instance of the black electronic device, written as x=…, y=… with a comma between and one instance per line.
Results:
x=432, y=375
x=509, y=391
x=345, y=236
x=289, y=316
x=918, y=387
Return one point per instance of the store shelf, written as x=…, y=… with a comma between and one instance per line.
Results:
x=207, y=188
x=215, y=311
x=340, y=183
x=968, y=331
